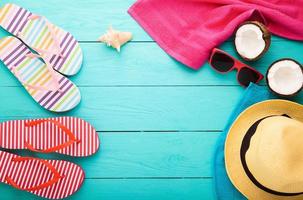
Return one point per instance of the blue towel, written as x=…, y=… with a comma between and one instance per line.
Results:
x=223, y=187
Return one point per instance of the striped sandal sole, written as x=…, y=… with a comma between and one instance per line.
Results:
x=52, y=179
x=36, y=35
x=42, y=134
x=13, y=53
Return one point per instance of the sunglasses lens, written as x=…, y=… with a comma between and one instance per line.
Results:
x=246, y=75
x=222, y=62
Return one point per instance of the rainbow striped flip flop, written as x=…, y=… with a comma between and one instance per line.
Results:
x=52, y=43
x=49, y=88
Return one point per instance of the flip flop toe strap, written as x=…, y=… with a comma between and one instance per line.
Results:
x=58, y=51
x=55, y=83
x=54, y=86
x=51, y=168
x=35, y=87
x=72, y=137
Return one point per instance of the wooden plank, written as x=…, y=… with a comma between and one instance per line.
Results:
x=133, y=94
x=148, y=155
x=156, y=162
x=136, y=65
x=142, y=189
x=137, y=108
x=87, y=20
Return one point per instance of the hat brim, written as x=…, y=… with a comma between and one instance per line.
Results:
x=234, y=139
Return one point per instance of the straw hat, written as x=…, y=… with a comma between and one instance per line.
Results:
x=264, y=151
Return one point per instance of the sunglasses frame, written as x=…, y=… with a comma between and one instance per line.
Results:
x=237, y=65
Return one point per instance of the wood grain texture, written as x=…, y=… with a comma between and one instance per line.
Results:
x=134, y=189
x=87, y=20
x=157, y=119
x=204, y=108
x=147, y=64
x=137, y=108
x=148, y=155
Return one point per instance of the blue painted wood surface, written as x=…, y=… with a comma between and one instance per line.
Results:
x=157, y=119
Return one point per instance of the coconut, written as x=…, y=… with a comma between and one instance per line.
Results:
x=252, y=40
x=285, y=77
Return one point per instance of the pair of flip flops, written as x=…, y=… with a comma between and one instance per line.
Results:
x=53, y=179
x=39, y=54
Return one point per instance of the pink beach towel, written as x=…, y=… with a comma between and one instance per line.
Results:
x=189, y=29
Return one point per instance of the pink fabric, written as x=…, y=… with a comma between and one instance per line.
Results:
x=189, y=29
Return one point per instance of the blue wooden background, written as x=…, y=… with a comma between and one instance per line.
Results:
x=157, y=119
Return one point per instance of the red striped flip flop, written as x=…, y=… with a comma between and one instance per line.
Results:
x=66, y=135
x=51, y=179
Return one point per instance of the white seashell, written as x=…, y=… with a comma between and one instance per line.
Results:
x=115, y=38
